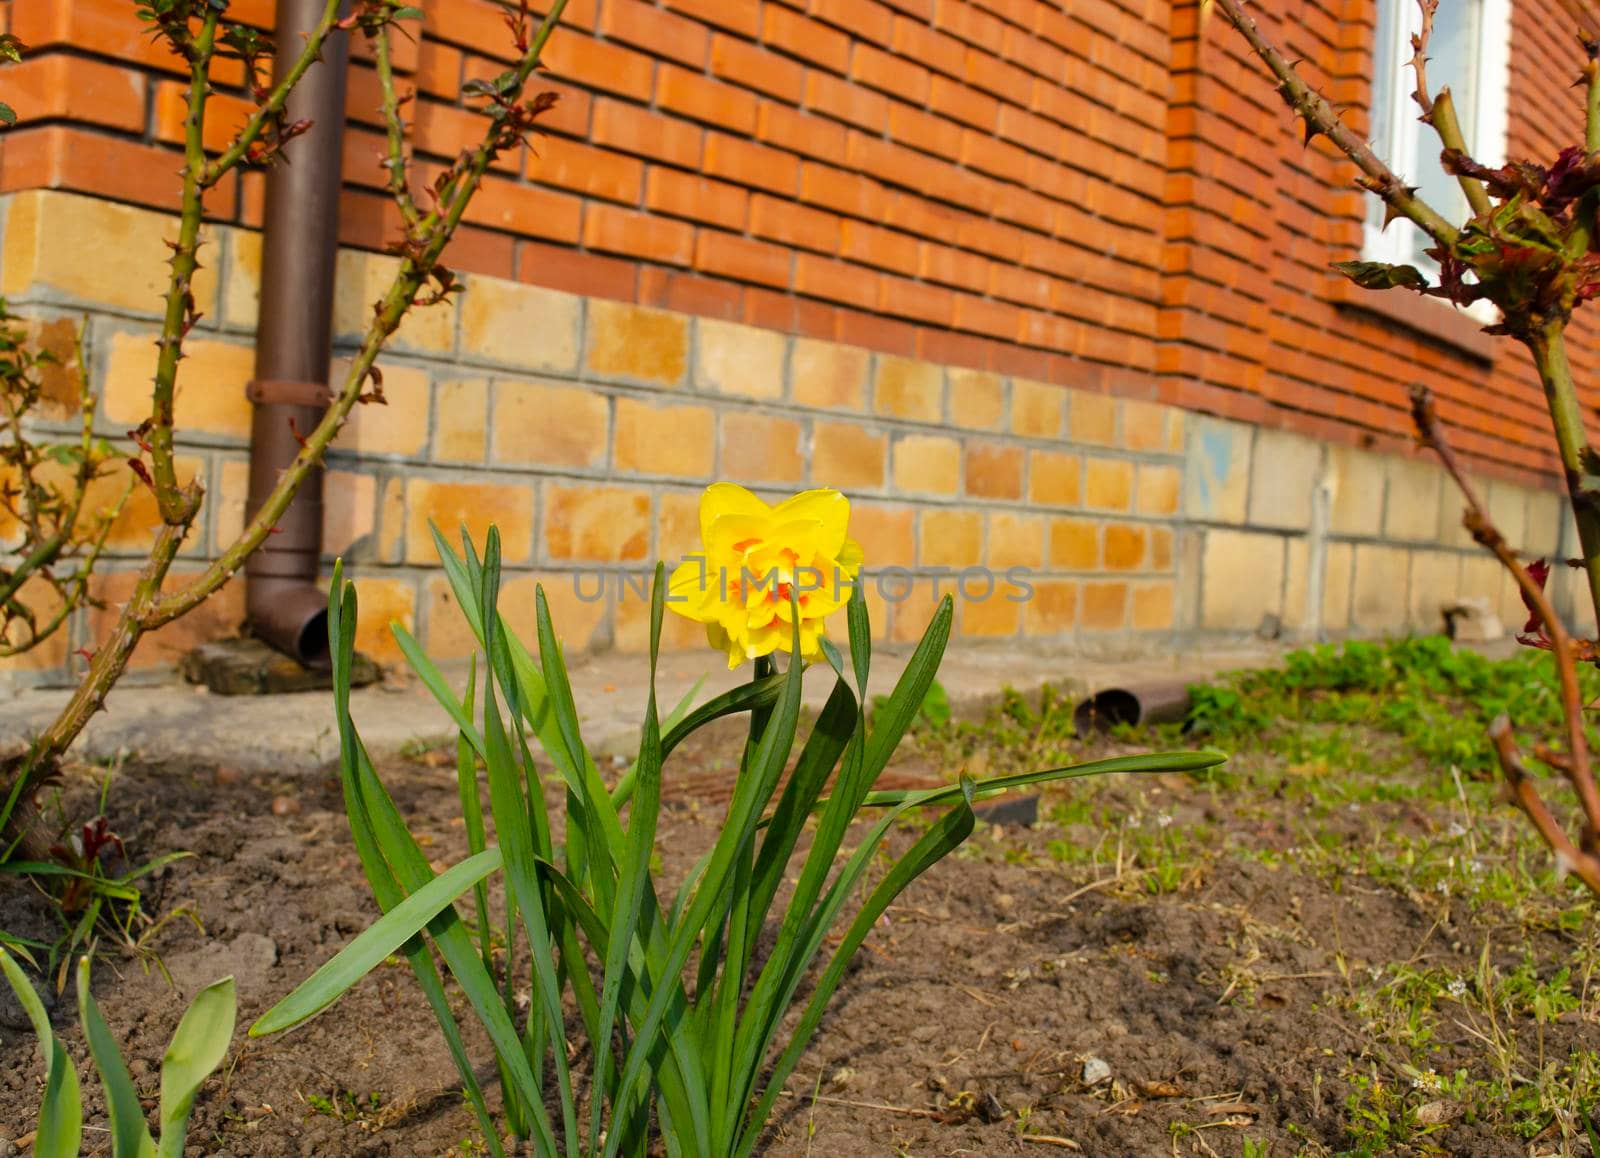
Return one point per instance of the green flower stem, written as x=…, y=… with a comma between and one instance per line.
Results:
x=1549, y=348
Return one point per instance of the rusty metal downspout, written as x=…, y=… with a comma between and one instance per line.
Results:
x=294, y=343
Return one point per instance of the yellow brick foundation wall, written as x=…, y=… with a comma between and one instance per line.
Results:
x=585, y=430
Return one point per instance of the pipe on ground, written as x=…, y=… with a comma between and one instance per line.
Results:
x=1163, y=702
x=294, y=342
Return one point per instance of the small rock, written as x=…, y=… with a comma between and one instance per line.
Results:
x=1004, y=902
x=1095, y=1071
x=225, y=777
x=285, y=806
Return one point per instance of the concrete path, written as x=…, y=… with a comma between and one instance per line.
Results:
x=294, y=734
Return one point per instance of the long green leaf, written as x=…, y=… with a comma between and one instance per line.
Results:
x=511, y=821
x=633, y=878
x=60, y=1128
x=197, y=1048
x=375, y=944
x=390, y=874
x=130, y=1137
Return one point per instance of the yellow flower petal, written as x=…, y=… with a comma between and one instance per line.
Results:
x=826, y=507
x=722, y=499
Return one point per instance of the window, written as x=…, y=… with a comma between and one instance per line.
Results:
x=1469, y=52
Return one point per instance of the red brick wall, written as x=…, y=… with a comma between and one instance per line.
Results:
x=1099, y=193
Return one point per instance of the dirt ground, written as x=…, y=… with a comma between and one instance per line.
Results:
x=1020, y=1000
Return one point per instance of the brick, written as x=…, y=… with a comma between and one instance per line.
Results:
x=219, y=617
x=119, y=258
x=363, y=279
x=462, y=420
x=670, y=440
x=1283, y=471
x=977, y=400
x=888, y=73
x=1159, y=487
x=735, y=359
x=741, y=18
x=1412, y=504
x=391, y=519
x=1153, y=606
x=1217, y=480
x=844, y=101
x=759, y=448
x=43, y=600
x=794, y=224
x=1160, y=548
x=889, y=535
x=400, y=425
x=209, y=396
x=927, y=464
x=1105, y=607
x=349, y=513
x=635, y=343
x=882, y=248
x=677, y=525
x=598, y=64
x=994, y=471
x=1015, y=541
x=696, y=198
x=646, y=133
x=1036, y=408
x=241, y=289
x=596, y=524
x=612, y=229
x=631, y=625
x=450, y=506
x=1055, y=479
x=700, y=98
x=753, y=67
x=584, y=168
x=570, y=271
x=1074, y=545
x=1124, y=546
x=1435, y=584
x=1379, y=592
x=1241, y=579
x=1357, y=480
x=729, y=255
x=658, y=32
x=1092, y=418
x=903, y=388
x=794, y=34
x=1108, y=484
x=1144, y=426
x=547, y=425
x=987, y=614
x=951, y=538
x=847, y=456
x=524, y=326
x=746, y=163
x=840, y=282
x=828, y=375
x=55, y=87
x=578, y=619
x=1052, y=609
x=797, y=131
x=226, y=500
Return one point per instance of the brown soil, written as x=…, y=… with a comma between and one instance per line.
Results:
x=991, y=987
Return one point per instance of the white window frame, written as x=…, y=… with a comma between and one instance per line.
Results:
x=1397, y=243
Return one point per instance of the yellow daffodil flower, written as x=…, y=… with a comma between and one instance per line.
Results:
x=754, y=557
